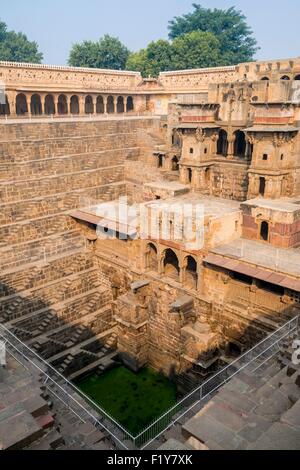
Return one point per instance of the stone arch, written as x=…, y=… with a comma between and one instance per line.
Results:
x=89, y=105
x=222, y=143
x=62, y=105
x=74, y=104
x=175, y=163
x=120, y=105
x=100, y=105
x=49, y=105
x=21, y=105
x=152, y=257
x=5, y=108
x=285, y=77
x=171, y=264
x=36, y=105
x=110, y=106
x=129, y=104
x=191, y=273
x=240, y=144
x=297, y=77
x=264, y=231
x=265, y=79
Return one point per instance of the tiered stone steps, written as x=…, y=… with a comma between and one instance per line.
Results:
x=69, y=164
x=259, y=409
x=18, y=257
x=51, y=294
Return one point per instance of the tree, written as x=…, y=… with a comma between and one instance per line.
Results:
x=229, y=26
x=16, y=47
x=155, y=58
x=84, y=54
x=192, y=50
x=107, y=53
x=196, y=50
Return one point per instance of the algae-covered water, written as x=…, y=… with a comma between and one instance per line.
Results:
x=134, y=400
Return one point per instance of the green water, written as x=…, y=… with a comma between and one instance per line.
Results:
x=134, y=400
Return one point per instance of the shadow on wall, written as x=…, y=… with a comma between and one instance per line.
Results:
x=72, y=332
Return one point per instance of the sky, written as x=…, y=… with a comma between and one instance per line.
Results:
x=57, y=24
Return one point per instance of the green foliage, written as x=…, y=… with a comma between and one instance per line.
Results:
x=152, y=60
x=17, y=48
x=196, y=50
x=229, y=26
x=192, y=50
x=107, y=53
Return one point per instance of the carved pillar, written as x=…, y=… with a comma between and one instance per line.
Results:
x=256, y=185
x=184, y=179
x=214, y=140
x=199, y=275
x=43, y=96
x=230, y=151
x=28, y=100
x=94, y=99
x=161, y=264
x=56, y=104
x=182, y=271
x=105, y=104
x=197, y=179
x=167, y=163
x=81, y=101
x=11, y=97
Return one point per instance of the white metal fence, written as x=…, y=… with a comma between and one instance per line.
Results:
x=66, y=392
x=87, y=410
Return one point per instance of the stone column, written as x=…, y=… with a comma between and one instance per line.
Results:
x=11, y=97
x=168, y=162
x=273, y=188
x=182, y=271
x=81, y=100
x=28, y=100
x=161, y=265
x=213, y=144
x=202, y=181
x=256, y=183
x=55, y=98
x=230, y=150
x=68, y=98
x=43, y=96
x=184, y=175
x=94, y=98
x=105, y=104
x=196, y=179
